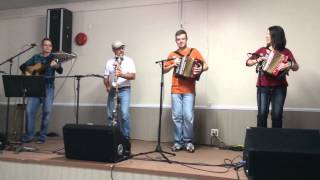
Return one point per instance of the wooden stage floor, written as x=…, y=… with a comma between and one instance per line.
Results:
x=141, y=164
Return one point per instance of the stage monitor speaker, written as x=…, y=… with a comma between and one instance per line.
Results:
x=95, y=143
x=292, y=154
x=59, y=29
x=2, y=141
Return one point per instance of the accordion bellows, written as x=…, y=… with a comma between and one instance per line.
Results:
x=275, y=63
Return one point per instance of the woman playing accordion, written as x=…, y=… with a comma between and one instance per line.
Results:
x=273, y=63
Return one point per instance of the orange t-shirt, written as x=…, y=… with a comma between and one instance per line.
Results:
x=183, y=85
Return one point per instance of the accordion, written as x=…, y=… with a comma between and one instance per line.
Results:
x=186, y=66
x=274, y=64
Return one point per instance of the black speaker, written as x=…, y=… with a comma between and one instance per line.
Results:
x=59, y=29
x=2, y=141
x=95, y=143
x=292, y=154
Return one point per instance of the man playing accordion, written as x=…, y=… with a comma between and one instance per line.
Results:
x=183, y=91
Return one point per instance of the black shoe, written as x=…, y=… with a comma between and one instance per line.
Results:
x=26, y=140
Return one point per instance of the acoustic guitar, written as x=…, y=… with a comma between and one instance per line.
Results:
x=37, y=69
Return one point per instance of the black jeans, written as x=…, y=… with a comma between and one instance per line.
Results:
x=277, y=97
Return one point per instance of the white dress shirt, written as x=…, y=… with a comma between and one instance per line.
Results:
x=127, y=66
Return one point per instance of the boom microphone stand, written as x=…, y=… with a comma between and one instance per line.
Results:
x=158, y=148
x=10, y=60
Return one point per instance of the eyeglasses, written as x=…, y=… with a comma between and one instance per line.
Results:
x=48, y=45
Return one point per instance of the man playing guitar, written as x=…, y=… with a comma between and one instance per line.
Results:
x=49, y=67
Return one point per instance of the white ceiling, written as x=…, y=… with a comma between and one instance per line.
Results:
x=15, y=4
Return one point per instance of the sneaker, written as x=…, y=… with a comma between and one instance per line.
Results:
x=189, y=147
x=176, y=147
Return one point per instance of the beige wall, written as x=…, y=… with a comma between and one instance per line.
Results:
x=238, y=27
x=223, y=31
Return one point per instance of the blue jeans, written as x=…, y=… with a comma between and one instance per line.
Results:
x=182, y=116
x=124, y=116
x=33, y=104
x=276, y=96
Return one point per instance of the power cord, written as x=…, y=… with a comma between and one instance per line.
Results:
x=113, y=166
x=228, y=164
x=220, y=144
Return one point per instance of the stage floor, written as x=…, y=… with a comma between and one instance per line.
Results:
x=140, y=164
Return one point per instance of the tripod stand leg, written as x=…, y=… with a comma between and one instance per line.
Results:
x=165, y=157
x=159, y=149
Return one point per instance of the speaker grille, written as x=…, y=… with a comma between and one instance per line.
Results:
x=59, y=29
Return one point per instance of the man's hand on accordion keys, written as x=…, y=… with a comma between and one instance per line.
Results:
x=176, y=61
x=197, y=69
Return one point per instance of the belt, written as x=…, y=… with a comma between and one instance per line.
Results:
x=120, y=88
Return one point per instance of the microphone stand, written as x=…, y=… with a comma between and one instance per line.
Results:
x=259, y=71
x=78, y=78
x=10, y=60
x=259, y=67
x=158, y=148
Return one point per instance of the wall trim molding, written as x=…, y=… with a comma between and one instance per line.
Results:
x=210, y=107
x=167, y=106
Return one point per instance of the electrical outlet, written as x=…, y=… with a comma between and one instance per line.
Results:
x=214, y=132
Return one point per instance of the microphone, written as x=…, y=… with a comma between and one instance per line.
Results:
x=32, y=44
x=170, y=59
x=164, y=60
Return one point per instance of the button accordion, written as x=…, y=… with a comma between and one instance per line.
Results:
x=275, y=63
x=186, y=66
